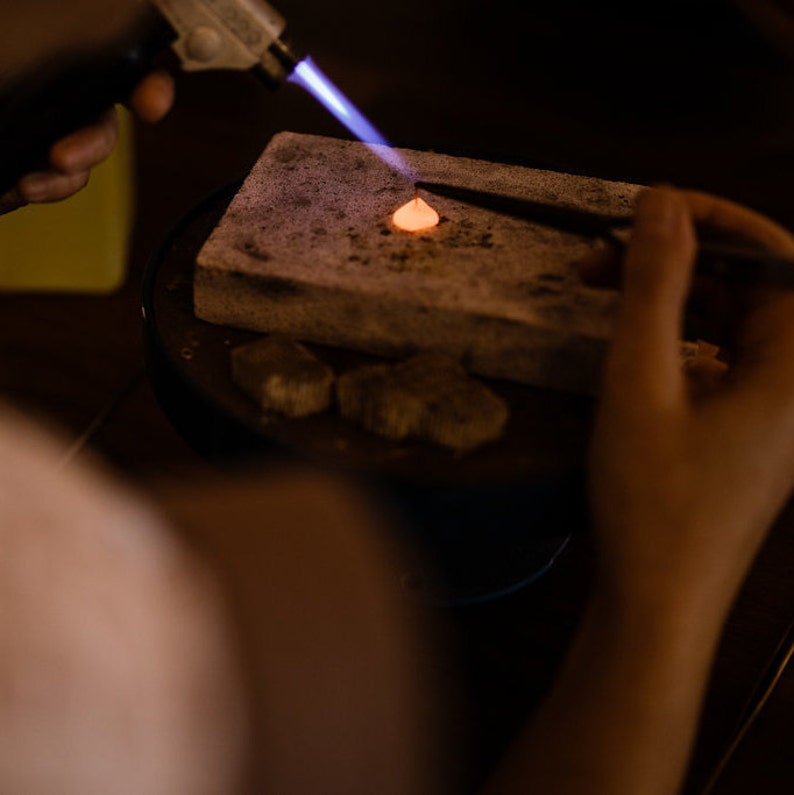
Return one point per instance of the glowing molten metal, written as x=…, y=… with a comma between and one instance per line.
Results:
x=415, y=216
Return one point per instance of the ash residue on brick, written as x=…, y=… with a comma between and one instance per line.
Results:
x=276, y=288
x=252, y=250
x=535, y=290
x=554, y=278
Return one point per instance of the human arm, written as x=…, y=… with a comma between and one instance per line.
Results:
x=72, y=158
x=683, y=487
x=47, y=27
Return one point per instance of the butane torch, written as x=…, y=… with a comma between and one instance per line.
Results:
x=70, y=92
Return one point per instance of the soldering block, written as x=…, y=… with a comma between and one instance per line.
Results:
x=307, y=248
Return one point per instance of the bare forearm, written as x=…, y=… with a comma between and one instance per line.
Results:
x=622, y=715
x=684, y=485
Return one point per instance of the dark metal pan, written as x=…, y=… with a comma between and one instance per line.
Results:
x=491, y=520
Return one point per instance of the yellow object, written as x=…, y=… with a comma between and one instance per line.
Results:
x=79, y=244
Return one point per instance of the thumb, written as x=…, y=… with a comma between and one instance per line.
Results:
x=644, y=362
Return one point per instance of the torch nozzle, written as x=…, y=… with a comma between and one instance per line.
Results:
x=277, y=63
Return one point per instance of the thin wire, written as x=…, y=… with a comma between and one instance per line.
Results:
x=100, y=419
x=761, y=694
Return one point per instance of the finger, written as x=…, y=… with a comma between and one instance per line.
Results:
x=86, y=148
x=51, y=186
x=716, y=311
x=720, y=308
x=644, y=361
x=11, y=201
x=761, y=318
x=153, y=97
x=740, y=222
x=602, y=267
x=765, y=354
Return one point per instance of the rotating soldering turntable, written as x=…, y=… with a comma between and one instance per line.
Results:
x=491, y=521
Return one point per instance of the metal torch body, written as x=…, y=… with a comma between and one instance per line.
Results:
x=229, y=34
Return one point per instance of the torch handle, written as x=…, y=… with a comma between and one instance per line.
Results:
x=70, y=92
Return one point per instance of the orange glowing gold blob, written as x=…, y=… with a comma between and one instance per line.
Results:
x=415, y=216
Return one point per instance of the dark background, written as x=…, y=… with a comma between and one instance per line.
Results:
x=680, y=92
x=685, y=92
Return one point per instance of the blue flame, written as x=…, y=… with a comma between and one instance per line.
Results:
x=307, y=75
